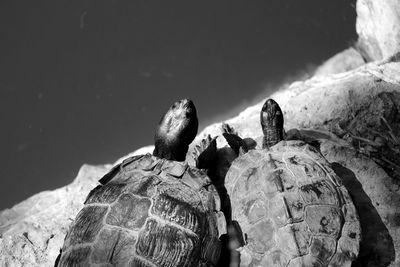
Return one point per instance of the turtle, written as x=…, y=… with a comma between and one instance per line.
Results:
x=289, y=208
x=153, y=209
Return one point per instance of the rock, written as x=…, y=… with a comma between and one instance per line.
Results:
x=32, y=232
x=378, y=28
x=322, y=102
x=346, y=60
x=140, y=151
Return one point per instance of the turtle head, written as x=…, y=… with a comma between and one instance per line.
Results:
x=271, y=118
x=176, y=130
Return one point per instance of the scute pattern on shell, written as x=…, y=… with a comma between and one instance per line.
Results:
x=292, y=208
x=148, y=212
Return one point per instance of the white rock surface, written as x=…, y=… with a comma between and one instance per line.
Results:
x=32, y=231
x=378, y=28
x=346, y=60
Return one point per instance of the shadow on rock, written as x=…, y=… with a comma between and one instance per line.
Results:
x=233, y=238
x=230, y=257
x=377, y=248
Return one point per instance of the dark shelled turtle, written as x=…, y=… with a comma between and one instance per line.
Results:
x=150, y=210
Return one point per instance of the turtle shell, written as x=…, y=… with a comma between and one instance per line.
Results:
x=292, y=208
x=148, y=212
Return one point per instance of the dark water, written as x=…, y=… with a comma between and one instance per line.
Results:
x=86, y=81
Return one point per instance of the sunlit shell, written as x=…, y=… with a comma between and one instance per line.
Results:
x=292, y=208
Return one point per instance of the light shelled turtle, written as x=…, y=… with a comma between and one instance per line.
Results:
x=289, y=206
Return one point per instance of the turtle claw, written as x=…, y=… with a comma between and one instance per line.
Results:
x=226, y=128
x=242, y=151
x=205, y=152
x=234, y=141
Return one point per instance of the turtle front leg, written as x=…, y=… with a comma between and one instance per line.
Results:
x=205, y=153
x=239, y=145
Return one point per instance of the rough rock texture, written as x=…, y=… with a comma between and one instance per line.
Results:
x=378, y=28
x=344, y=61
x=323, y=101
x=32, y=232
